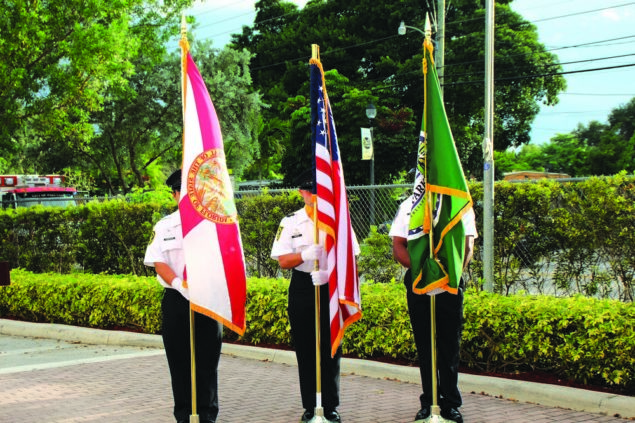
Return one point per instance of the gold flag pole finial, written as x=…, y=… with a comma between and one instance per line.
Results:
x=428, y=28
x=183, y=42
x=315, y=53
x=185, y=48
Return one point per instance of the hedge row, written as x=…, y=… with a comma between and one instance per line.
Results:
x=550, y=237
x=580, y=339
x=563, y=238
x=109, y=237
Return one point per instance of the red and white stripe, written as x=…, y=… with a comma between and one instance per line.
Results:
x=334, y=220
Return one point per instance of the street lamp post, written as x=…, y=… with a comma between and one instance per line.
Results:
x=371, y=112
x=402, y=29
x=440, y=43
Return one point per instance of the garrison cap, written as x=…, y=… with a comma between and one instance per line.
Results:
x=174, y=180
x=306, y=181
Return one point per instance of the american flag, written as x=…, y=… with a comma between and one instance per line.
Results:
x=332, y=212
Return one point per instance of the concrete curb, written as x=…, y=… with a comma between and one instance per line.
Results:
x=536, y=393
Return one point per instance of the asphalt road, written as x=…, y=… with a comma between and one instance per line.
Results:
x=23, y=354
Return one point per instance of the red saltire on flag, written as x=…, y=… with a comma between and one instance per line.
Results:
x=214, y=260
x=332, y=213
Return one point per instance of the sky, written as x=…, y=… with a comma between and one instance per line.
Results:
x=575, y=30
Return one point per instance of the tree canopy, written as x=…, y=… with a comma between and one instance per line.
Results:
x=592, y=149
x=100, y=96
x=359, y=39
x=60, y=56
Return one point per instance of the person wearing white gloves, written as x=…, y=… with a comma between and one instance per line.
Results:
x=448, y=329
x=294, y=247
x=165, y=254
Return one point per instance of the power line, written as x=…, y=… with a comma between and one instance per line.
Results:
x=597, y=43
x=602, y=94
x=579, y=45
x=304, y=58
x=551, y=4
x=224, y=6
x=574, y=113
x=326, y=53
x=447, y=23
x=541, y=75
x=563, y=73
x=453, y=75
x=583, y=13
x=592, y=42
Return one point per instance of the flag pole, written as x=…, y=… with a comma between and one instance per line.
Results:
x=194, y=415
x=318, y=416
x=435, y=410
x=184, y=48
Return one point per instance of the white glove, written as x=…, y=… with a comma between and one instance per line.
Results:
x=177, y=284
x=313, y=252
x=320, y=277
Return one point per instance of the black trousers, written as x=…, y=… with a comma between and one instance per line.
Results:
x=176, y=340
x=301, y=309
x=449, y=325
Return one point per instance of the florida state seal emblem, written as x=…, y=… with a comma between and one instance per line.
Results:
x=209, y=187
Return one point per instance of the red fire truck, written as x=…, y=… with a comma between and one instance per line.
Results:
x=29, y=190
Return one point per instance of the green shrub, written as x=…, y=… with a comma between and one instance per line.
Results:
x=109, y=237
x=550, y=237
x=581, y=339
x=267, y=322
x=112, y=236
x=562, y=238
x=384, y=330
x=84, y=300
x=577, y=338
x=259, y=218
x=37, y=238
x=375, y=262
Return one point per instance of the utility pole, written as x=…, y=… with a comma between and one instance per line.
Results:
x=440, y=38
x=488, y=152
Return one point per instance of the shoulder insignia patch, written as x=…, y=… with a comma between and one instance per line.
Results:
x=279, y=233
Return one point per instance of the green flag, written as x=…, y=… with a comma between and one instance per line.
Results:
x=436, y=236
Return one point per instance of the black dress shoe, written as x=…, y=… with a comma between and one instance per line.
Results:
x=452, y=414
x=423, y=414
x=306, y=416
x=333, y=416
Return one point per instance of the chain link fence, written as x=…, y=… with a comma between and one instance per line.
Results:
x=529, y=255
x=369, y=205
x=534, y=252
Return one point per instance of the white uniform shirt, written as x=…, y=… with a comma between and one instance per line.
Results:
x=400, y=225
x=295, y=234
x=167, y=246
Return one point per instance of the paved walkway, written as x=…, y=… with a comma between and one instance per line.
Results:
x=133, y=386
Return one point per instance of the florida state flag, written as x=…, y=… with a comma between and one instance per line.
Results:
x=214, y=261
